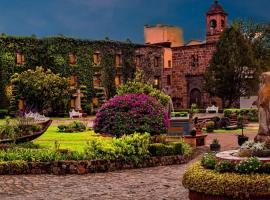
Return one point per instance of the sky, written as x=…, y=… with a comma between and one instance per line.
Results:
x=118, y=19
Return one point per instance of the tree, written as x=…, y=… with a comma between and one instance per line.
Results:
x=234, y=68
x=41, y=90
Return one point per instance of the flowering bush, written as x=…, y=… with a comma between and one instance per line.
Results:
x=131, y=113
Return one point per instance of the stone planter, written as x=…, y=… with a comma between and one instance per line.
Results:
x=202, y=196
x=215, y=147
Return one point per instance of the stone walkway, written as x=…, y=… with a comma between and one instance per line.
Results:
x=158, y=183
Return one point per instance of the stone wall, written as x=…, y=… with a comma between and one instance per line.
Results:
x=86, y=166
x=189, y=65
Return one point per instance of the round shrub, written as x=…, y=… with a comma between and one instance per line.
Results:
x=209, y=161
x=231, y=185
x=250, y=165
x=131, y=113
x=225, y=166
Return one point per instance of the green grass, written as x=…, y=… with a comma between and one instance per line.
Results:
x=72, y=141
x=232, y=131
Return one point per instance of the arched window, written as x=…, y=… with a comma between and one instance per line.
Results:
x=213, y=23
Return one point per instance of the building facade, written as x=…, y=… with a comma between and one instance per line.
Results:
x=183, y=81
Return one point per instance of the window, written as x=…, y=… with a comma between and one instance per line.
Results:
x=169, y=63
x=72, y=59
x=117, y=80
x=169, y=80
x=96, y=81
x=118, y=60
x=96, y=58
x=156, y=82
x=194, y=60
x=73, y=81
x=138, y=60
x=19, y=59
x=156, y=61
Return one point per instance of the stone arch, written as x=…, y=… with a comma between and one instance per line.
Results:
x=195, y=97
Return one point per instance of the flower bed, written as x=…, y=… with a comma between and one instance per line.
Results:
x=206, y=184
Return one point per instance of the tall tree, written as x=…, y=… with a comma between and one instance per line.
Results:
x=234, y=69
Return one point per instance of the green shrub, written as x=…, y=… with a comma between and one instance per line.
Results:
x=225, y=166
x=138, y=87
x=265, y=168
x=248, y=166
x=209, y=161
x=75, y=126
x=250, y=113
x=129, y=148
x=199, y=179
x=3, y=113
x=179, y=114
x=210, y=126
x=36, y=127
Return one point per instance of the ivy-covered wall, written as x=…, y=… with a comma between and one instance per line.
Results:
x=54, y=53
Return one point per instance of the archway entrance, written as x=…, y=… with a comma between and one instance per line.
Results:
x=195, y=97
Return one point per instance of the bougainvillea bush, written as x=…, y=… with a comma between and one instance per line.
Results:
x=131, y=113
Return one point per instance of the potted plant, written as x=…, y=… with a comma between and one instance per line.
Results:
x=210, y=126
x=215, y=146
x=193, y=132
x=241, y=138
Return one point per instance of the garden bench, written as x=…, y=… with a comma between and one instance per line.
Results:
x=74, y=113
x=212, y=109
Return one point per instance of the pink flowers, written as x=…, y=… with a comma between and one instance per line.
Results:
x=131, y=113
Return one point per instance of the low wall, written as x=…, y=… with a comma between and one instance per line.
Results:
x=86, y=166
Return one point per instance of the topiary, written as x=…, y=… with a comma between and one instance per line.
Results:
x=248, y=166
x=131, y=113
x=225, y=166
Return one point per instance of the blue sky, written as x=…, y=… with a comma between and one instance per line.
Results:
x=117, y=19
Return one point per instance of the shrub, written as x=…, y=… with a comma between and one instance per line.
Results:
x=225, y=166
x=209, y=161
x=210, y=126
x=138, y=87
x=250, y=165
x=129, y=148
x=199, y=179
x=250, y=113
x=179, y=114
x=75, y=126
x=265, y=168
x=166, y=149
x=131, y=113
x=3, y=113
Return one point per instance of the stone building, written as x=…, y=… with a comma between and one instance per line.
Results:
x=183, y=80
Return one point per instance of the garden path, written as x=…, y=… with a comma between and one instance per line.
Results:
x=157, y=183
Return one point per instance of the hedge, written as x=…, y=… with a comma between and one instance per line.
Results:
x=199, y=179
x=250, y=113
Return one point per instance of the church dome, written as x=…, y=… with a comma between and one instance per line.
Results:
x=216, y=8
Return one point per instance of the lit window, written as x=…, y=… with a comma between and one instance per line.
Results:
x=118, y=60
x=169, y=63
x=117, y=80
x=156, y=82
x=73, y=81
x=19, y=59
x=96, y=81
x=72, y=59
x=96, y=58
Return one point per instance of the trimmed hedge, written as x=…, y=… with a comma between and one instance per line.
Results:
x=166, y=149
x=199, y=179
x=250, y=113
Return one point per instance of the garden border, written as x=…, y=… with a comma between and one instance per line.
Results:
x=86, y=166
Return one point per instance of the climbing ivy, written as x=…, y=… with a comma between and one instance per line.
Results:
x=53, y=53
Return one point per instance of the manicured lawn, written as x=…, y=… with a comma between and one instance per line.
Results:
x=232, y=131
x=72, y=141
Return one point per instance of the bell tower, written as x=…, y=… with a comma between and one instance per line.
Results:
x=216, y=22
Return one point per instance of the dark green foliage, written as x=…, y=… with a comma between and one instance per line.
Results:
x=53, y=53
x=231, y=75
x=225, y=166
x=250, y=113
x=75, y=126
x=251, y=165
x=166, y=149
x=209, y=161
x=265, y=168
